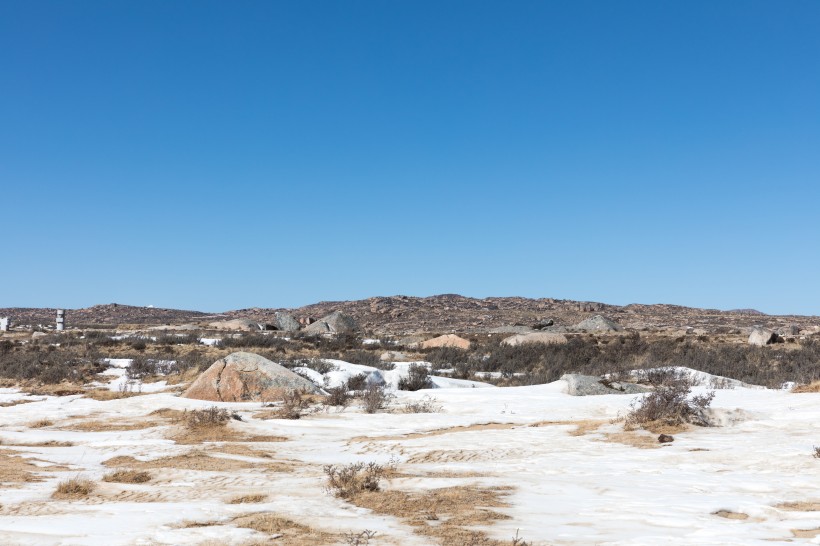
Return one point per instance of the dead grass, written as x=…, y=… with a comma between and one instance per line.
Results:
x=74, y=488
x=800, y=506
x=248, y=499
x=806, y=533
x=16, y=403
x=42, y=423
x=814, y=386
x=456, y=512
x=634, y=439
x=48, y=443
x=95, y=425
x=104, y=395
x=59, y=389
x=195, y=460
x=16, y=469
x=291, y=533
x=127, y=476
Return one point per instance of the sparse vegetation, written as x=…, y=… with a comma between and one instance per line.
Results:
x=376, y=398
x=817, y=452
x=427, y=404
x=670, y=405
x=293, y=405
x=209, y=417
x=127, y=476
x=417, y=379
x=74, y=488
x=248, y=499
x=359, y=539
x=337, y=396
x=348, y=480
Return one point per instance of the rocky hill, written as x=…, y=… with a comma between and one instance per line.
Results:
x=442, y=313
x=110, y=314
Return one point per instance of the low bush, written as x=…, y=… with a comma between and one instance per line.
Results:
x=209, y=417
x=418, y=378
x=669, y=404
x=348, y=480
x=338, y=396
x=427, y=404
x=292, y=405
x=375, y=398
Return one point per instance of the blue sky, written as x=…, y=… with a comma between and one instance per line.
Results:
x=220, y=155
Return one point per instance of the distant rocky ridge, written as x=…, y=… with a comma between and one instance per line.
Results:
x=442, y=314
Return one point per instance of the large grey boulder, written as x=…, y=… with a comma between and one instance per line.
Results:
x=334, y=323
x=587, y=385
x=285, y=322
x=246, y=377
x=241, y=324
x=598, y=323
x=761, y=337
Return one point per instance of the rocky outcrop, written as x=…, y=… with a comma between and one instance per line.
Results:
x=447, y=340
x=334, y=323
x=761, y=337
x=598, y=323
x=587, y=385
x=245, y=377
x=285, y=322
x=548, y=338
x=241, y=324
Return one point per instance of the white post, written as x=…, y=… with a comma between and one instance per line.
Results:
x=60, y=320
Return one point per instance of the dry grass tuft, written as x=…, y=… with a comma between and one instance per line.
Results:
x=800, y=506
x=194, y=460
x=288, y=532
x=95, y=425
x=248, y=499
x=42, y=423
x=75, y=488
x=127, y=476
x=806, y=533
x=348, y=480
x=104, y=395
x=728, y=514
x=634, y=439
x=456, y=511
x=814, y=386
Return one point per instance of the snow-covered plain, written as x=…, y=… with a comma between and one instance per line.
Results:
x=572, y=482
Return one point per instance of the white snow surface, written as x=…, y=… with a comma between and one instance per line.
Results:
x=566, y=489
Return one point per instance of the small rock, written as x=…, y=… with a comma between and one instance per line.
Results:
x=666, y=439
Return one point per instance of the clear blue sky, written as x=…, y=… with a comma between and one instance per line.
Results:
x=219, y=155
